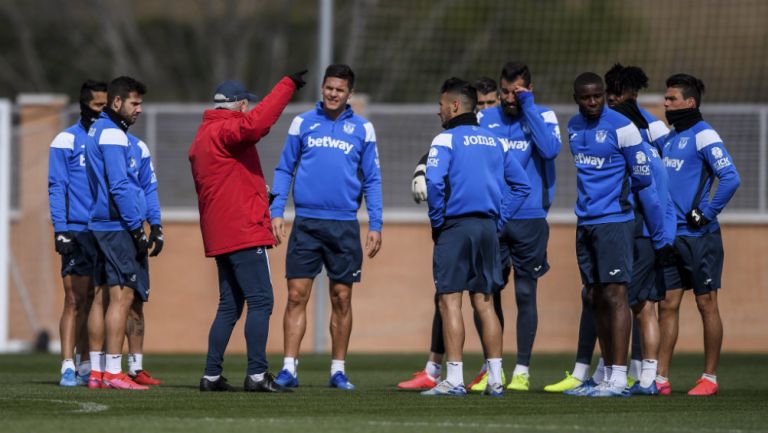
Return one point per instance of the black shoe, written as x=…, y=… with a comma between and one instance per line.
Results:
x=216, y=385
x=264, y=385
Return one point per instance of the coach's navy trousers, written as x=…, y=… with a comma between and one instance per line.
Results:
x=243, y=278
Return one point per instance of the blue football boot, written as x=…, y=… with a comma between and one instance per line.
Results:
x=68, y=378
x=582, y=390
x=447, y=388
x=340, y=380
x=286, y=379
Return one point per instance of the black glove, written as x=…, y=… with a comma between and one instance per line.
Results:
x=65, y=243
x=666, y=256
x=696, y=218
x=297, y=80
x=436, y=233
x=140, y=241
x=156, y=239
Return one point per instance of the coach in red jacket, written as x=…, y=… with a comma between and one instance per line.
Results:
x=234, y=220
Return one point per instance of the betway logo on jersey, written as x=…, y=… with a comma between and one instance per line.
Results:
x=330, y=142
x=583, y=159
x=508, y=144
x=677, y=164
x=479, y=139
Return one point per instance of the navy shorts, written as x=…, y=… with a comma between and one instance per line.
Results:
x=333, y=243
x=523, y=246
x=647, y=279
x=117, y=264
x=604, y=252
x=83, y=258
x=700, y=264
x=466, y=256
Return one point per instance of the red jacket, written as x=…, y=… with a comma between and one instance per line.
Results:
x=231, y=192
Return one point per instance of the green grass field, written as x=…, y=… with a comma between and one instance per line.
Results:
x=32, y=401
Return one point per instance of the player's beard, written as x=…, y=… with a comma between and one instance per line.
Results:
x=511, y=110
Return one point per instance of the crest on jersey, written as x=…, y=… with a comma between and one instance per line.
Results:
x=132, y=162
x=641, y=158
x=433, y=152
x=526, y=129
x=600, y=135
x=682, y=143
x=655, y=152
x=717, y=152
x=349, y=127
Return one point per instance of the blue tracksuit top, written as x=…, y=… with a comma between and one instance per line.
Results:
x=324, y=158
x=119, y=201
x=147, y=178
x=468, y=171
x=69, y=195
x=610, y=163
x=694, y=157
x=533, y=138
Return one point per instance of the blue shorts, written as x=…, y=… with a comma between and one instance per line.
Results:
x=333, y=243
x=604, y=252
x=700, y=265
x=466, y=256
x=647, y=280
x=523, y=246
x=117, y=264
x=83, y=258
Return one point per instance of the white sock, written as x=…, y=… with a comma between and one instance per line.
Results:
x=619, y=376
x=608, y=375
x=433, y=369
x=599, y=373
x=97, y=361
x=648, y=372
x=212, y=378
x=520, y=369
x=661, y=379
x=134, y=362
x=67, y=364
x=455, y=374
x=580, y=371
x=290, y=363
x=336, y=366
x=710, y=377
x=494, y=371
x=84, y=368
x=635, y=368
x=258, y=377
x=114, y=363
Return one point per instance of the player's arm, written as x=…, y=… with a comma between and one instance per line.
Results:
x=114, y=146
x=371, y=171
x=419, y=181
x=519, y=186
x=659, y=133
x=438, y=164
x=281, y=183
x=148, y=181
x=544, y=128
x=711, y=149
x=58, y=179
x=632, y=147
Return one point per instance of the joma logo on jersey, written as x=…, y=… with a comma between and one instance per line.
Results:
x=600, y=135
x=330, y=142
x=479, y=139
x=508, y=144
x=594, y=161
x=677, y=164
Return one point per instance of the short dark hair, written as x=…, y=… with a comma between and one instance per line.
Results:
x=340, y=70
x=486, y=85
x=87, y=89
x=585, y=79
x=466, y=92
x=621, y=79
x=123, y=86
x=690, y=86
x=514, y=70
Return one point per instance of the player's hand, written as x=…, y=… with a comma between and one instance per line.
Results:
x=297, y=79
x=419, y=184
x=278, y=230
x=436, y=233
x=522, y=94
x=140, y=241
x=373, y=244
x=696, y=218
x=156, y=239
x=666, y=256
x=65, y=243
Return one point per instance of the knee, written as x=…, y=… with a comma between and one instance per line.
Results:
x=669, y=306
x=297, y=298
x=70, y=301
x=707, y=304
x=341, y=302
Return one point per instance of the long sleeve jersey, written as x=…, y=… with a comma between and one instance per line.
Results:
x=533, y=138
x=333, y=163
x=610, y=164
x=147, y=179
x=119, y=201
x=694, y=157
x=473, y=165
x=69, y=195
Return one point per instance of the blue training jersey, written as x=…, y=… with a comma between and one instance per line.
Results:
x=610, y=163
x=468, y=172
x=333, y=163
x=533, y=138
x=694, y=157
x=119, y=201
x=147, y=178
x=69, y=195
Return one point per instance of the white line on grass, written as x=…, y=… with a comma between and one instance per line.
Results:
x=82, y=406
